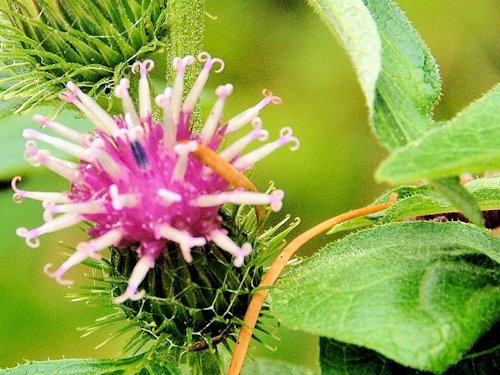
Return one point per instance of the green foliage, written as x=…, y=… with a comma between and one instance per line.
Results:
x=47, y=43
x=422, y=200
x=408, y=85
x=185, y=37
x=452, y=189
x=468, y=143
x=125, y=366
x=337, y=358
x=405, y=92
x=353, y=24
x=420, y=293
x=11, y=154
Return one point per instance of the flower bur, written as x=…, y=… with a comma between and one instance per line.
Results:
x=142, y=183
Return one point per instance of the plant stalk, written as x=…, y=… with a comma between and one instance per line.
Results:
x=253, y=310
x=186, y=20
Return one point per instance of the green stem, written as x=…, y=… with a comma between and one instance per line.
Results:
x=186, y=20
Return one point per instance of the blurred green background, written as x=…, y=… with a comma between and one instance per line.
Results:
x=280, y=45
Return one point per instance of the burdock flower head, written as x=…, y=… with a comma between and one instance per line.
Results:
x=152, y=187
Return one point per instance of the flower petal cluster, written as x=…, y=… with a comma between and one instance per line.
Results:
x=144, y=183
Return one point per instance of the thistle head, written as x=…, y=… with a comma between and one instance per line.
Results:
x=47, y=43
x=160, y=195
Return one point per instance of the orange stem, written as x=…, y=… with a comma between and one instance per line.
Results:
x=227, y=171
x=253, y=310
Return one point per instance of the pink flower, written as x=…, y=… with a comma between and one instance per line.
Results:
x=138, y=180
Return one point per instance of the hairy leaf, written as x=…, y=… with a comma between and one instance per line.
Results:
x=351, y=21
x=453, y=191
x=90, y=366
x=420, y=293
x=338, y=358
x=11, y=153
x=468, y=143
x=408, y=85
x=422, y=200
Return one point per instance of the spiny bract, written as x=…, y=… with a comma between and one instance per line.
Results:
x=144, y=183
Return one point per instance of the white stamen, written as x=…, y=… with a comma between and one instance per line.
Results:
x=64, y=168
x=198, y=86
x=234, y=150
x=248, y=160
x=119, y=201
x=182, y=237
x=135, y=131
x=70, y=148
x=227, y=244
x=144, y=90
x=183, y=150
x=246, y=116
x=37, y=195
x=180, y=66
x=216, y=114
x=75, y=259
x=84, y=250
x=105, y=160
x=76, y=208
x=69, y=97
x=169, y=196
x=169, y=127
x=73, y=135
x=104, y=121
x=139, y=273
x=121, y=91
x=241, y=197
x=111, y=238
x=61, y=222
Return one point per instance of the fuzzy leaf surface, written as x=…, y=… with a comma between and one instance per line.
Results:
x=451, y=189
x=408, y=85
x=351, y=21
x=468, y=143
x=13, y=143
x=420, y=293
x=337, y=358
x=422, y=200
x=87, y=366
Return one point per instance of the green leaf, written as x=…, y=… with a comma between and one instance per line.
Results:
x=396, y=70
x=468, y=143
x=271, y=367
x=416, y=201
x=89, y=366
x=337, y=358
x=11, y=152
x=13, y=143
x=351, y=21
x=483, y=359
x=8, y=107
x=91, y=45
x=408, y=85
x=451, y=189
x=420, y=293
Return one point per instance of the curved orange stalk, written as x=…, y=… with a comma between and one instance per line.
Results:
x=227, y=171
x=277, y=267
